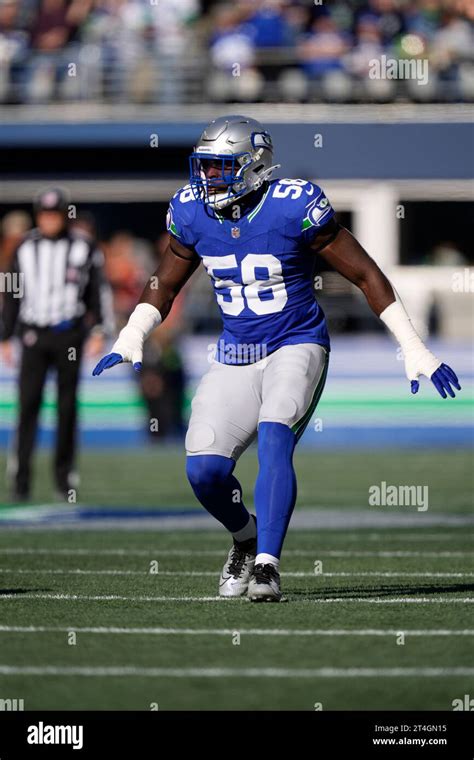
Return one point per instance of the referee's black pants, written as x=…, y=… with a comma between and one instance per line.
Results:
x=44, y=349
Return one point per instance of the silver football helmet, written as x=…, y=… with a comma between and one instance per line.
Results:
x=242, y=152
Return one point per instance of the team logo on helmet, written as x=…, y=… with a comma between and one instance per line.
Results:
x=262, y=140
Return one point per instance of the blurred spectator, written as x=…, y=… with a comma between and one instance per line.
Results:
x=14, y=41
x=388, y=17
x=453, y=55
x=446, y=254
x=322, y=50
x=230, y=41
x=162, y=383
x=85, y=224
x=182, y=51
x=268, y=26
x=369, y=46
x=53, y=28
x=14, y=226
x=234, y=57
x=322, y=55
x=162, y=379
x=127, y=271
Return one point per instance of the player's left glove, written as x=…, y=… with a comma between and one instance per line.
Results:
x=418, y=359
x=422, y=362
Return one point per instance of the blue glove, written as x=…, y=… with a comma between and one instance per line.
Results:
x=442, y=380
x=110, y=360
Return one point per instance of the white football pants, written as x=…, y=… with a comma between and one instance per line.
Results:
x=232, y=400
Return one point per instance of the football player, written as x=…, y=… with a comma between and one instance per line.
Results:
x=257, y=238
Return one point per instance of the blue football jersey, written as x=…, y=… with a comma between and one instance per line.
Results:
x=260, y=267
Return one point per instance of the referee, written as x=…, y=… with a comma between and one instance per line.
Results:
x=58, y=297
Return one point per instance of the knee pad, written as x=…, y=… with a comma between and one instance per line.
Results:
x=199, y=437
x=205, y=470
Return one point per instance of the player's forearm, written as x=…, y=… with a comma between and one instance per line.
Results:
x=386, y=304
x=159, y=295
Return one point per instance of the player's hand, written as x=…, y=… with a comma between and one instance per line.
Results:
x=423, y=362
x=128, y=348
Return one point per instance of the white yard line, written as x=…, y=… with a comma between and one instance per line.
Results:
x=111, y=597
x=376, y=574
x=212, y=573
x=155, y=551
x=339, y=600
x=408, y=536
x=131, y=671
x=232, y=631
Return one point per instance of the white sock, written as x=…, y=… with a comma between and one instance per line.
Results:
x=267, y=559
x=249, y=531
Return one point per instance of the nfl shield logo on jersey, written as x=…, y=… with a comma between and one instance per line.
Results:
x=235, y=232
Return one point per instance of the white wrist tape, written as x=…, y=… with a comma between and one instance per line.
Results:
x=144, y=319
x=418, y=359
x=400, y=324
x=130, y=341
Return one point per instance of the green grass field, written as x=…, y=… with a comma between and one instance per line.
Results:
x=155, y=477
x=388, y=624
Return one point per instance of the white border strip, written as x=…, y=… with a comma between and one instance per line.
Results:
x=212, y=573
x=18, y=597
x=232, y=631
x=127, y=671
x=154, y=552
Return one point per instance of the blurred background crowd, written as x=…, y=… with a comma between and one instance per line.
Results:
x=190, y=51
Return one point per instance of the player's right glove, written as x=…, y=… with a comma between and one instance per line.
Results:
x=129, y=345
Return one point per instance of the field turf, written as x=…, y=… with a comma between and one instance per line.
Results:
x=155, y=477
x=117, y=619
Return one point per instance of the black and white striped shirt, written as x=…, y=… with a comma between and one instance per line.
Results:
x=54, y=280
